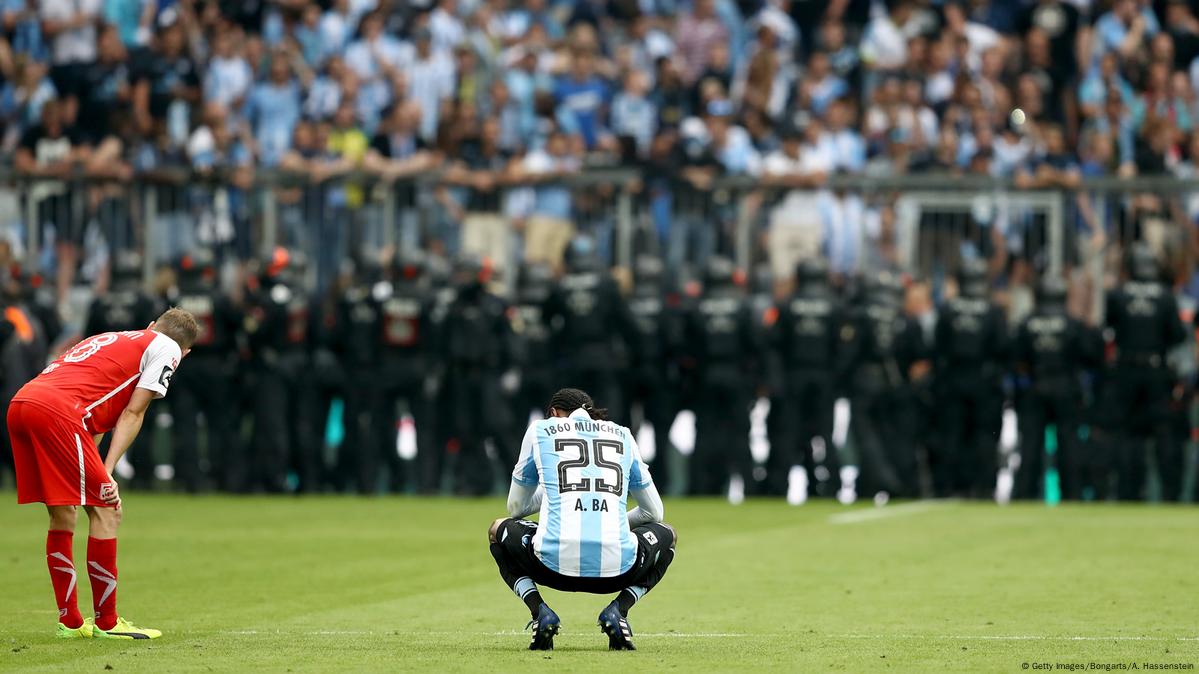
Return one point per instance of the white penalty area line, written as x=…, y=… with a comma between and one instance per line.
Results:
x=1010, y=637
x=885, y=512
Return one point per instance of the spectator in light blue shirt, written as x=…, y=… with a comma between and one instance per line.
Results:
x=633, y=114
x=336, y=28
x=26, y=35
x=522, y=87
x=129, y=16
x=550, y=199
x=324, y=94
x=307, y=33
x=826, y=86
x=1092, y=91
x=525, y=15
x=843, y=145
x=273, y=108
x=1126, y=27
x=507, y=113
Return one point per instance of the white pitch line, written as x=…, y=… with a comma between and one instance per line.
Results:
x=1010, y=637
x=732, y=635
x=884, y=512
x=509, y=633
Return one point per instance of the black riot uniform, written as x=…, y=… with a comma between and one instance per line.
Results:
x=1143, y=317
x=23, y=354
x=652, y=378
x=883, y=344
x=476, y=348
x=286, y=424
x=588, y=319
x=357, y=344
x=431, y=460
x=720, y=333
x=209, y=384
x=1050, y=350
x=762, y=300
x=126, y=306
x=970, y=353
x=406, y=344
x=532, y=345
x=808, y=337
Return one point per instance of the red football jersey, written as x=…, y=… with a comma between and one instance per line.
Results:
x=95, y=380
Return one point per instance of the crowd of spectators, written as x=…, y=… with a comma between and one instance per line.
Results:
x=496, y=92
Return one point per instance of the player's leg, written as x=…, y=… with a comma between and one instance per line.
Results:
x=656, y=542
x=508, y=540
x=505, y=536
x=103, y=523
x=61, y=562
x=45, y=461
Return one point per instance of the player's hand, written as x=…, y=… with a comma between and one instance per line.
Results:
x=112, y=498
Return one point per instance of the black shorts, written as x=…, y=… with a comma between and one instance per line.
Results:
x=516, y=537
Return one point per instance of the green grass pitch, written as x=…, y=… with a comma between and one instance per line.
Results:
x=326, y=584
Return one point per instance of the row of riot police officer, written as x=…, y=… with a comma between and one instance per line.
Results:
x=927, y=397
x=254, y=410
x=414, y=338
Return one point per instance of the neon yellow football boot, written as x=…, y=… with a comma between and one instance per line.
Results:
x=84, y=631
x=125, y=630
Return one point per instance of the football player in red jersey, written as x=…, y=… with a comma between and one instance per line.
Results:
x=105, y=383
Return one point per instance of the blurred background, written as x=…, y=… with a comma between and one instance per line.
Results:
x=834, y=248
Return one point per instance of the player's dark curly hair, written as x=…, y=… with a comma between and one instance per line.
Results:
x=571, y=399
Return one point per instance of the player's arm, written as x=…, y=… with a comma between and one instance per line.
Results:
x=649, y=506
x=524, y=500
x=524, y=497
x=641, y=487
x=128, y=426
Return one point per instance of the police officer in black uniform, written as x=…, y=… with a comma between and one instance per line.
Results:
x=435, y=439
x=406, y=343
x=127, y=306
x=808, y=337
x=357, y=343
x=652, y=378
x=23, y=354
x=476, y=347
x=765, y=308
x=278, y=324
x=881, y=353
x=1050, y=349
x=970, y=352
x=1143, y=317
x=210, y=385
x=589, y=320
x=721, y=335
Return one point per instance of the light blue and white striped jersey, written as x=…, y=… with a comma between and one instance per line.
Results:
x=587, y=469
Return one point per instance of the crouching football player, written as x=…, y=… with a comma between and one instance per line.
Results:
x=585, y=541
x=105, y=383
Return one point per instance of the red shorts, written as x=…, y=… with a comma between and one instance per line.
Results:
x=56, y=460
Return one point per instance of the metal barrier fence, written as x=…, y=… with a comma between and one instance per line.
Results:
x=922, y=225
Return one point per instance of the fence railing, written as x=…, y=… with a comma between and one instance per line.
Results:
x=922, y=224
